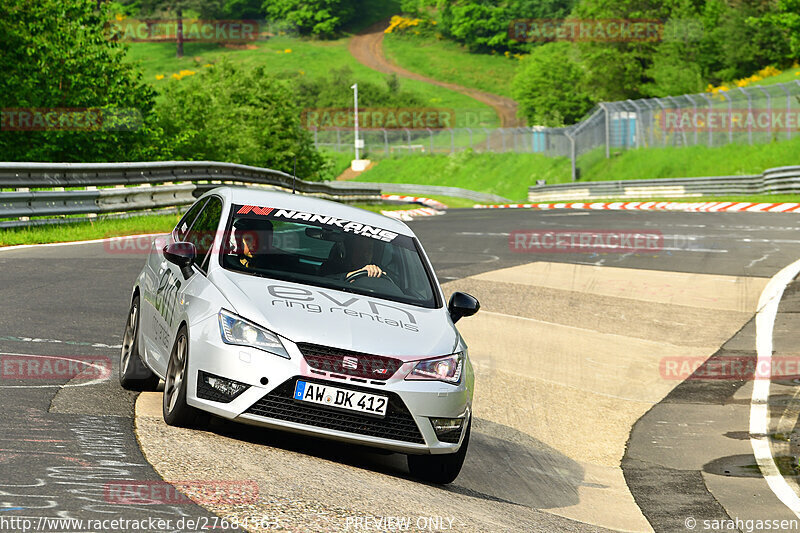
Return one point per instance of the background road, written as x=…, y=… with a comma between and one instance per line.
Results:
x=367, y=47
x=546, y=441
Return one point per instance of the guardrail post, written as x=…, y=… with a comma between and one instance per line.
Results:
x=23, y=189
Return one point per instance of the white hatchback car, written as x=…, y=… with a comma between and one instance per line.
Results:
x=306, y=315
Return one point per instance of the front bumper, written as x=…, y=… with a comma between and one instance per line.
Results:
x=268, y=400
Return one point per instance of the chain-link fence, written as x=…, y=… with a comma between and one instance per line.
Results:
x=743, y=115
x=389, y=142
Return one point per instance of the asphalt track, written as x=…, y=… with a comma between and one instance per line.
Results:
x=688, y=454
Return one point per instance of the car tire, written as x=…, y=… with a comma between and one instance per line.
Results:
x=133, y=373
x=174, y=407
x=441, y=468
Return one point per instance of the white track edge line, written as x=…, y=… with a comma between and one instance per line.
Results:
x=759, y=413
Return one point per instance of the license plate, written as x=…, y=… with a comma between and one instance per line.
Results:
x=351, y=400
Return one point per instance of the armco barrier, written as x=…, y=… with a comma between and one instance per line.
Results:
x=781, y=180
x=138, y=186
x=422, y=190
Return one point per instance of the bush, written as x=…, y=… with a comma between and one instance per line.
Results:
x=334, y=91
x=549, y=86
x=230, y=113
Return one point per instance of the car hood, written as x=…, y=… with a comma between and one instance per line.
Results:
x=328, y=317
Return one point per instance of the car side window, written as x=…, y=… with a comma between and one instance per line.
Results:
x=183, y=226
x=204, y=230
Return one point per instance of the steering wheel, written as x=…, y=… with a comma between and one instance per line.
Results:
x=361, y=273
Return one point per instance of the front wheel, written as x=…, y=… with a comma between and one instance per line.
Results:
x=440, y=469
x=174, y=407
x=133, y=374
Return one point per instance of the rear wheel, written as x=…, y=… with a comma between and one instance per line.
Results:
x=442, y=468
x=133, y=373
x=174, y=407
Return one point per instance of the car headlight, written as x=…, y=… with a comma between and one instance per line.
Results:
x=240, y=332
x=447, y=369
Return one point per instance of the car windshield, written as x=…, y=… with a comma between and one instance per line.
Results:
x=326, y=251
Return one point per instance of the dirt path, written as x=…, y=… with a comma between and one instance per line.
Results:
x=367, y=47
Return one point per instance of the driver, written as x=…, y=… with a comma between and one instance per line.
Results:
x=253, y=238
x=359, y=254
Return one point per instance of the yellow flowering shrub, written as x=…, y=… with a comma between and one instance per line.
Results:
x=183, y=73
x=402, y=23
x=765, y=72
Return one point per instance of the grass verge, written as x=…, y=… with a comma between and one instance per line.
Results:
x=450, y=62
x=84, y=231
x=510, y=174
x=282, y=54
x=506, y=174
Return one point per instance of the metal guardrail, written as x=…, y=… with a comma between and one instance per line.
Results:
x=421, y=190
x=39, y=175
x=781, y=180
x=197, y=177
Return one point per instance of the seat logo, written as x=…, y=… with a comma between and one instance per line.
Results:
x=350, y=362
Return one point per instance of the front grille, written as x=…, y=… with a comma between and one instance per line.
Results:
x=398, y=424
x=349, y=363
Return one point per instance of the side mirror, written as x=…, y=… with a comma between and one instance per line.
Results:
x=462, y=304
x=182, y=254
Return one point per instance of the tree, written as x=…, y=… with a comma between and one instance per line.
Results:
x=482, y=25
x=56, y=54
x=244, y=9
x=205, y=8
x=321, y=18
x=549, y=86
x=231, y=113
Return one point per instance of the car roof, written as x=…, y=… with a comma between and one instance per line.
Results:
x=310, y=204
